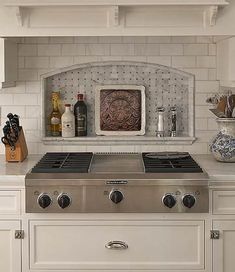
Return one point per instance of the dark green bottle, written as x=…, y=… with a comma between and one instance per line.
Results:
x=80, y=113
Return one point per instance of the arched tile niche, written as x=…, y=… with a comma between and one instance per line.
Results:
x=164, y=86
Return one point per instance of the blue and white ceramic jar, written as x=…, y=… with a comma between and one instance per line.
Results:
x=223, y=145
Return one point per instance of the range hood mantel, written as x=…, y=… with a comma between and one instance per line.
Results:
x=121, y=14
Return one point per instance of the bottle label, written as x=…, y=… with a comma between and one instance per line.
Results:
x=81, y=122
x=67, y=125
x=55, y=121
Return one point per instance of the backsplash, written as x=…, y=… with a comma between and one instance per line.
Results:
x=196, y=55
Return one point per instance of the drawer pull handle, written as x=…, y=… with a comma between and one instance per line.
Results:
x=116, y=245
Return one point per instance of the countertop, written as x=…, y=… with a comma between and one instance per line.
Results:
x=13, y=173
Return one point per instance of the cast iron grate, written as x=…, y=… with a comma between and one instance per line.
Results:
x=56, y=162
x=183, y=164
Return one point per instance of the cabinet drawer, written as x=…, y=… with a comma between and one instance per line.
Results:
x=10, y=202
x=224, y=202
x=173, y=245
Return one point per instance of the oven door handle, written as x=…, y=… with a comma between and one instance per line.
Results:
x=117, y=245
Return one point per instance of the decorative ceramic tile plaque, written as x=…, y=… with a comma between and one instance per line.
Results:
x=120, y=110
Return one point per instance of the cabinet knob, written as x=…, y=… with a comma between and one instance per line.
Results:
x=116, y=245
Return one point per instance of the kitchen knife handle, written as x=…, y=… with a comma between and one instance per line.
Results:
x=117, y=245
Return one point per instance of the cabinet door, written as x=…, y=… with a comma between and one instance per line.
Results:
x=10, y=248
x=224, y=247
x=82, y=245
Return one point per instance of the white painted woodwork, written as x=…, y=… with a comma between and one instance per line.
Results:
x=8, y=63
x=10, y=248
x=225, y=62
x=224, y=202
x=151, y=245
x=223, y=248
x=10, y=202
x=108, y=13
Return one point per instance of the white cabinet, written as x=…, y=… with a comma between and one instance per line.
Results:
x=225, y=62
x=224, y=247
x=8, y=63
x=10, y=248
x=145, y=245
x=224, y=202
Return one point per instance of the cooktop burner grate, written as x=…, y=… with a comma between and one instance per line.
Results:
x=64, y=163
x=170, y=163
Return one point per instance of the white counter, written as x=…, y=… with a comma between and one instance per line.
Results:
x=14, y=173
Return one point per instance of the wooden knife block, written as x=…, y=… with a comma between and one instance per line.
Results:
x=21, y=151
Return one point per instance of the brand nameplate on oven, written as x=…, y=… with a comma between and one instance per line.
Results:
x=116, y=182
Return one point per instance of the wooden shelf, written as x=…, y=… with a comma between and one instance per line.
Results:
x=119, y=140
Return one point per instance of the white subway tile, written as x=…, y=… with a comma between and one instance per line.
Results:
x=20, y=62
x=49, y=50
x=122, y=49
x=25, y=99
x=207, y=86
x=110, y=58
x=201, y=124
x=212, y=74
x=171, y=49
x=33, y=87
x=49, y=148
x=202, y=112
x=163, y=60
x=110, y=39
x=19, y=110
x=33, y=148
x=27, y=74
x=36, y=62
x=60, y=62
x=73, y=49
x=195, y=49
x=146, y=49
x=19, y=88
x=98, y=148
x=200, y=74
x=132, y=39
x=196, y=148
x=212, y=125
x=56, y=40
x=6, y=99
x=97, y=49
x=122, y=148
x=184, y=61
x=85, y=59
x=36, y=40
x=183, y=39
x=33, y=112
x=27, y=50
x=134, y=58
x=29, y=123
x=212, y=49
x=158, y=39
x=32, y=136
x=206, y=61
x=200, y=99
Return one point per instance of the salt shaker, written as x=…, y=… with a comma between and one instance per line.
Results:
x=160, y=122
x=173, y=122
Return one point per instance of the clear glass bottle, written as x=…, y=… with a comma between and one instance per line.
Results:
x=55, y=116
x=160, y=122
x=68, y=122
x=173, y=122
x=80, y=113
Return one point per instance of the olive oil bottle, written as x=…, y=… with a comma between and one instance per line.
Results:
x=80, y=113
x=55, y=116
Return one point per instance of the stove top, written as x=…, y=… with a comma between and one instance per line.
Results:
x=84, y=162
x=170, y=162
x=64, y=163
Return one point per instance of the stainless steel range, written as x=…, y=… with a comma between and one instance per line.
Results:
x=117, y=183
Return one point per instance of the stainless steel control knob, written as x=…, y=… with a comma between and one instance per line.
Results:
x=44, y=201
x=116, y=196
x=189, y=201
x=169, y=200
x=64, y=201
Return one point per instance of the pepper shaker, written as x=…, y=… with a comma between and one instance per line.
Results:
x=160, y=121
x=173, y=122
